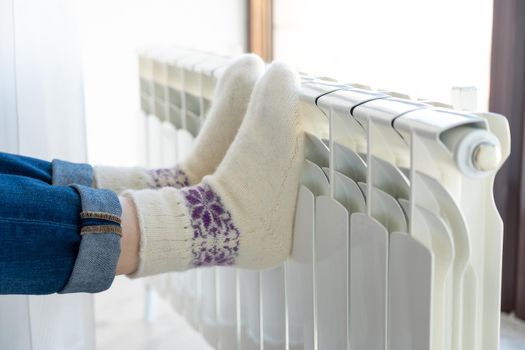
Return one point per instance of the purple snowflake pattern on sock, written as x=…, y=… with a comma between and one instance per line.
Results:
x=215, y=237
x=168, y=177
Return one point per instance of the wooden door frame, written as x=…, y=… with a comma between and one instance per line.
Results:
x=260, y=28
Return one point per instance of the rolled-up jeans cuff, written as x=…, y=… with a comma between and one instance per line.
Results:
x=99, y=250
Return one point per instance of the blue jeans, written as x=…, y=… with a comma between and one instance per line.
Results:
x=57, y=233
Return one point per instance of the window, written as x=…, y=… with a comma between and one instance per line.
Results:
x=420, y=48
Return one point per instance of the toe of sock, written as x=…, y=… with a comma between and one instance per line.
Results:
x=282, y=72
x=247, y=67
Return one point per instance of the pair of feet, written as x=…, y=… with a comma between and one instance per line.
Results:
x=232, y=200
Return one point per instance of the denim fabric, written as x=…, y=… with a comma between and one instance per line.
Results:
x=99, y=251
x=25, y=166
x=39, y=235
x=66, y=173
x=50, y=238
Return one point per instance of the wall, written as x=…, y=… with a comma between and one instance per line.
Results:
x=112, y=33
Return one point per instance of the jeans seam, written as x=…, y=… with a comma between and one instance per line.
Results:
x=101, y=229
x=100, y=215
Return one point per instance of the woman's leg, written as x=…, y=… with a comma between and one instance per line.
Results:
x=241, y=215
x=12, y=164
x=128, y=261
x=55, y=238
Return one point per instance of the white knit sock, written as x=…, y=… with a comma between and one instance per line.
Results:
x=242, y=214
x=222, y=123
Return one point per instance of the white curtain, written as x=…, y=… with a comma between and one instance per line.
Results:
x=42, y=115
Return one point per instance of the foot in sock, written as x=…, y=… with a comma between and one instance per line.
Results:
x=243, y=214
x=229, y=105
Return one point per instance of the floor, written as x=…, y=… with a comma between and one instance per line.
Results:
x=512, y=333
x=120, y=323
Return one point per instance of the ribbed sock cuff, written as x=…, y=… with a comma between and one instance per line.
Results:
x=165, y=231
x=136, y=178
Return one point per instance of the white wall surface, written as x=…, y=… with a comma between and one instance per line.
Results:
x=114, y=30
x=421, y=48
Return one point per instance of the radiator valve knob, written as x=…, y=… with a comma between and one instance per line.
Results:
x=486, y=156
x=478, y=152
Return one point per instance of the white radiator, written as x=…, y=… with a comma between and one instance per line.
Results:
x=397, y=241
